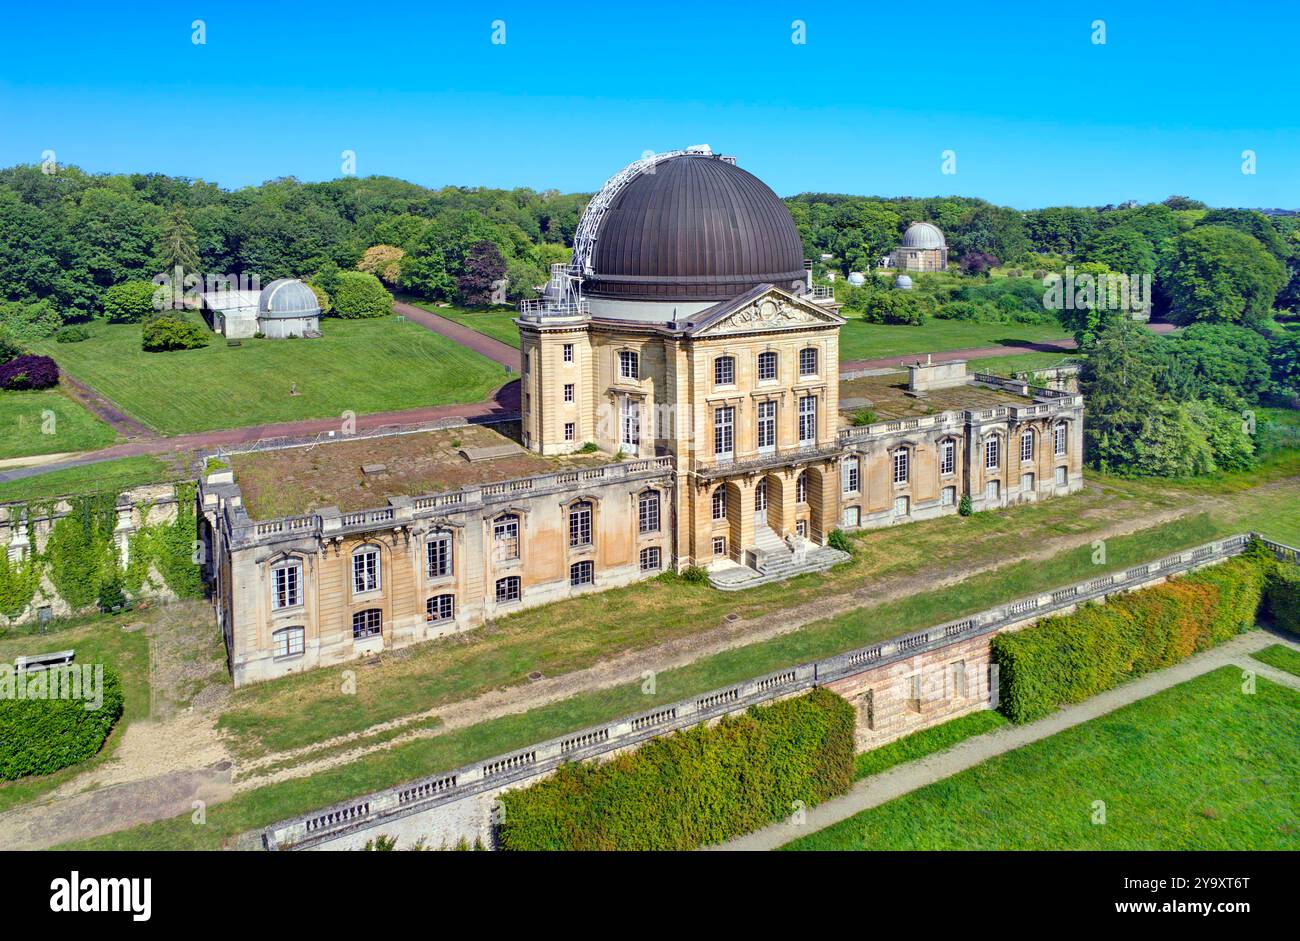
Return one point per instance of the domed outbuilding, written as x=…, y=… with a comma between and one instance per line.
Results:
x=288, y=308
x=923, y=248
x=903, y=283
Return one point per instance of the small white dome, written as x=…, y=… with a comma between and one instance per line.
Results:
x=903, y=283
x=923, y=235
x=857, y=278
x=287, y=297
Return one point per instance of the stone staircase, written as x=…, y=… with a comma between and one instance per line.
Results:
x=773, y=560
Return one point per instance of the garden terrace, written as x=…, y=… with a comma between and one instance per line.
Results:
x=360, y=473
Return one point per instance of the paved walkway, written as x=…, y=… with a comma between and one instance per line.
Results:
x=481, y=343
x=903, y=779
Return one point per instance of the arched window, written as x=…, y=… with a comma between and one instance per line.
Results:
x=505, y=537
x=760, y=496
x=582, y=573
x=767, y=364
x=801, y=488
x=367, y=623
x=720, y=502
x=440, y=608
x=992, y=452
x=648, y=511
x=724, y=371
x=808, y=361
x=288, y=642
x=365, y=569
x=1027, y=445
x=580, y=524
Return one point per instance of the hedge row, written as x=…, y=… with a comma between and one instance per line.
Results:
x=703, y=785
x=38, y=736
x=1283, y=596
x=1069, y=658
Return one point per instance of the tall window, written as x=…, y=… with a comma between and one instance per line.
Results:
x=508, y=589
x=947, y=457
x=438, y=555
x=851, y=474
x=582, y=573
x=720, y=502
x=367, y=623
x=1027, y=446
x=630, y=423
x=628, y=367
x=724, y=431
x=568, y=392
x=801, y=488
x=760, y=496
x=650, y=559
x=724, y=371
x=568, y=352
x=1059, y=434
x=808, y=361
x=505, y=537
x=648, y=511
x=365, y=569
x=440, y=608
x=807, y=419
x=288, y=642
x=766, y=366
x=580, y=524
x=570, y=431
x=286, y=581
x=766, y=425
x=991, y=455
x=900, y=466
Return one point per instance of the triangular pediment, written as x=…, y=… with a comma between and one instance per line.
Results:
x=765, y=309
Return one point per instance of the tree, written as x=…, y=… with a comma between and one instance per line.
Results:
x=23, y=321
x=1124, y=249
x=167, y=332
x=484, y=268
x=1229, y=363
x=523, y=277
x=1118, y=383
x=179, y=247
x=359, y=294
x=978, y=263
x=1220, y=275
x=129, y=302
x=866, y=232
x=383, y=261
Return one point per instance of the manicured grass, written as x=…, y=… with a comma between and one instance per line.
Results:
x=926, y=742
x=360, y=366
x=1201, y=766
x=48, y=421
x=859, y=340
x=1280, y=656
x=498, y=323
x=116, y=475
x=1019, y=362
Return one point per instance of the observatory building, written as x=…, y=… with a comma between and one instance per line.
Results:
x=923, y=248
x=682, y=404
x=284, y=308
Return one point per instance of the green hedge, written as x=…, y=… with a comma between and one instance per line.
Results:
x=1070, y=658
x=703, y=785
x=38, y=736
x=1283, y=596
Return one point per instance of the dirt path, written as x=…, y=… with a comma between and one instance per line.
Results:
x=480, y=343
x=881, y=788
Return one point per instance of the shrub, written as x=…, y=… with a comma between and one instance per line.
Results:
x=1069, y=658
x=360, y=295
x=863, y=416
x=700, y=786
x=695, y=575
x=9, y=348
x=837, y=540
x=129, y=302
x=1283, y=596
x=23, y=322
x=40, y=736
x=965, y=507
x=172, y=333
x=73, y=333
x=588, y=448
x=29, y=372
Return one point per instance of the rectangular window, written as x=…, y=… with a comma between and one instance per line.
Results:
x=900, y=466
x=724, y=431
x=766, y=425
x=992, y=490
x=724, y=371
x=914, y=692
x=440, y=608
x=627, y=365
x=287, y=586
x=766, y=366
x=650, y=559
x=900, y=506
x=948, y=497
x=808, y=361
x=807, y=419
x=365, y=570
x=438, y=554
x=505, y=537
x=1027, y=446
x=851, y=517
x=288, y=642
x=1027, y=483
x=630, y=423
x=582, y=573
x=719, y=545
x=570, y=431
x=801, y=528
x=1059, y=434
x=367, y=623
x=947, y=457
x=720, y=503
x=868, y=708
x=568, y=352
x=568, y=392
x=850, y=473
x=580, y=525
x=648, y=512
x=1062, y=477
x=991, y=455
x=507, y=589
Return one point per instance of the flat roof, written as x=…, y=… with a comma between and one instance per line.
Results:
x=888, y=397
x=303, y=479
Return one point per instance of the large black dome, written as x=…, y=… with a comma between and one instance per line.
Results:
x=694, y=229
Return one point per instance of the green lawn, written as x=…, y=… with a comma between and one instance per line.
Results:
x=859, y=340
x=1201, y=766
x=359, y=366
x=1280, y=656
x=498, y=323
x=1018, y=362
x=117, y=475
x=47, y=421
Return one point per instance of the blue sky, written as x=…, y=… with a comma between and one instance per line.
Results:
x=1036, y=113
